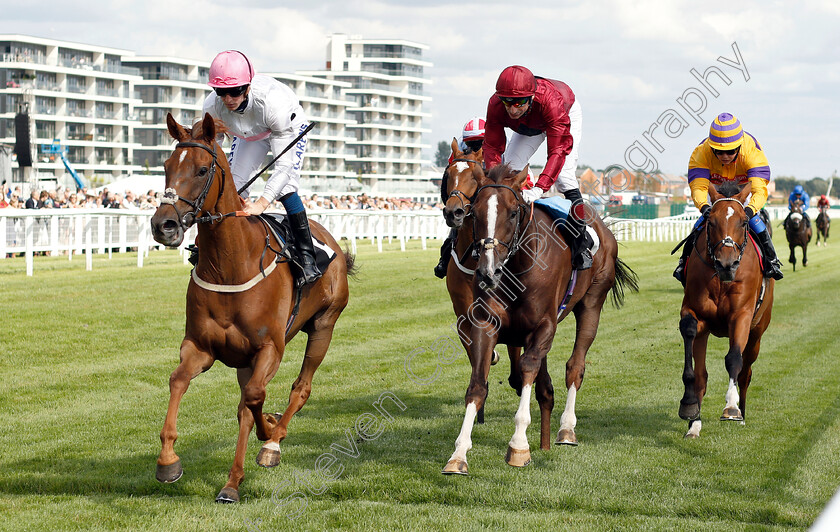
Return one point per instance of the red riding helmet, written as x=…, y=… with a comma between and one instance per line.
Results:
x=516, y=82
x=473, y=130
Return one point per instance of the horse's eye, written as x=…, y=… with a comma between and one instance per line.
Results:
x=202, y=171
x=513, y=215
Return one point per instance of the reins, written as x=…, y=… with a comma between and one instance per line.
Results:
x=514, y=243
x=171, y=197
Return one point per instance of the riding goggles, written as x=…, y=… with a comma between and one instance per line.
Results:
x=515, y=102
x=733, y=151
x=234, y=92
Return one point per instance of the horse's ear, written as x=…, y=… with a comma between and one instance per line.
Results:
x=455, y=150
x=742, y=196
x=208, y=129
x=478, y=175
x=713, y=193
x=175, y=129
x=520, y=178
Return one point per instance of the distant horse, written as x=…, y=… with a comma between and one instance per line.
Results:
x=725, y=295
x=798, y=233
x=240, y=300
x=823, y=225
x=459, y=184
x=523, y=286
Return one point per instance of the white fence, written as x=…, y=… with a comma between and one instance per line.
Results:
x=80, y=231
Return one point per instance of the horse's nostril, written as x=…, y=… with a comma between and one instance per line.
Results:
x=169, y=225
x=458, y=213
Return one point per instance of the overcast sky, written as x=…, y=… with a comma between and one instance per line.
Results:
x=627, y=62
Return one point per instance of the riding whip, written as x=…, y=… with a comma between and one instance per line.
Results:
x=287, y=148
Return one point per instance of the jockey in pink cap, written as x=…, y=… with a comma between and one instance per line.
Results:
x=263, y=115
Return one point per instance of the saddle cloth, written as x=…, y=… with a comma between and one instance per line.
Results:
x=279, y=226
x=558, y=208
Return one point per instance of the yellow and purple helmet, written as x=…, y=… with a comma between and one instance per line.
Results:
x=726, y=133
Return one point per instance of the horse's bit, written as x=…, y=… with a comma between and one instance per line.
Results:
x=170, y=196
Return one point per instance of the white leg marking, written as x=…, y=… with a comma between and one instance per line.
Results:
x=695, y=429
x=522, y=419
x=464, y=441
x=492, y=213
x=568, y=420
x=732, y=395
x=271, y=446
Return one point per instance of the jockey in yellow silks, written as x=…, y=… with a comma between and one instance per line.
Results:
x=731, y=154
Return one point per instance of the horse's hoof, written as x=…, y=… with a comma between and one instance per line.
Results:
x=566, y=437
x=691, y=436
x=494, y=358
x=455, y=467
x=732, y=414
x=228, y=496
x=518, y=457
x=689, y=412
x=268, y=457
x=169, y=473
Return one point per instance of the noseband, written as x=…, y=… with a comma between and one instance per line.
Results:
x=491, y=243
x=727, y=241
x=170, y=196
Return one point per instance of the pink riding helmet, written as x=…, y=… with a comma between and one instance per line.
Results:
x=230, y=69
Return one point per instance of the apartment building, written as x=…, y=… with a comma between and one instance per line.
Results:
x=82, y=95
x=388, y=80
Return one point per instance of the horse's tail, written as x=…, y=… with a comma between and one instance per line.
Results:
x=350, y=262
x=625, y=278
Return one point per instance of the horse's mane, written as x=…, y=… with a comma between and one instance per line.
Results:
x=444, y=189
x=729, y=189
x=500, y=172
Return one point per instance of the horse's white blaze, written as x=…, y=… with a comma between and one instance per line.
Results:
x=460, y=166
x=732, y=395
x=492, y=213
x=694, y=430
x=729, y=212
x=182, y=157
x=522, y=419
x=568, y=420
x=464, y=441
x=272, y=446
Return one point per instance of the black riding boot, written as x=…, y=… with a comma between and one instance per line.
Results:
x=772, y=266
x=686, y=251
x=581, y=256
x=193, y=258
x=807, y=219
x=445, y=254
x=305, y=250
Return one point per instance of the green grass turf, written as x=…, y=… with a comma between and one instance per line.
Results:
x=85, y=358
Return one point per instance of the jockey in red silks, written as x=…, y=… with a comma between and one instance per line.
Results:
x=263, y=114
x=536, y=110
x=823, y=202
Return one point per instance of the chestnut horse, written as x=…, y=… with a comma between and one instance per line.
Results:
x=725, y=295
x=523, y=286
x=459, y=184
x=798, y=233
x=240, y=299
x=823, y=222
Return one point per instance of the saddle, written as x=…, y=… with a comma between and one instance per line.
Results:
x=279, y=226
x=558, y=208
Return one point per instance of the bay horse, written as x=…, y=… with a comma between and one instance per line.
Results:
x=725, y=295
x=240, y=299
x=524, y=285
x=798, y=233
x=459, y=184
x=823, y=222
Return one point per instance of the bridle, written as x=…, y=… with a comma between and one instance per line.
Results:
x=491, y=243
x=170, y=195
x=466, y=202
x=726, y=241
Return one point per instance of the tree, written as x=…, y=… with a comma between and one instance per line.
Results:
x=442, y=154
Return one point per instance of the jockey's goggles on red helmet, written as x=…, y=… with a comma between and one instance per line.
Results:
x=515, y=102
x=234, y=92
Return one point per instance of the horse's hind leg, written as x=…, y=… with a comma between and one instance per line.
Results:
x=193, y=363
x=545, y=398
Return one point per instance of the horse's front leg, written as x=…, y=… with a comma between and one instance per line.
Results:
x=481, y=352
x=537, y=346
x=695, y=376
x=230, y=491
x=193, y=362
x=739, y=332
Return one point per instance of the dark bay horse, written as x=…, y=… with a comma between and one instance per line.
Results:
x=725, y=295
x=523, y=286
x=458, y=187
x=823, y=222
x=242, y=314
x=798, y=233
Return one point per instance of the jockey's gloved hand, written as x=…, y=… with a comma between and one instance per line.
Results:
x=532, y=194
x=704, y=210
x=749, y=211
